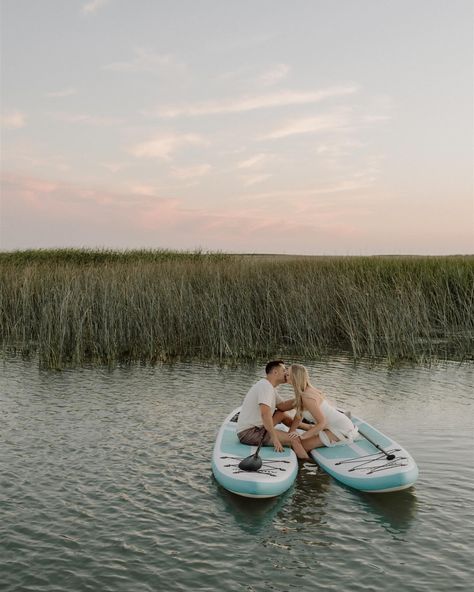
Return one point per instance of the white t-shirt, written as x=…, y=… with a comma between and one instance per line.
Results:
x=250, y=415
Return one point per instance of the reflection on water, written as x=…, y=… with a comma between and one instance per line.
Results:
x=309, y=503
x=106, y=484
x=305, y=506
x=253, y=516
x=395, y=511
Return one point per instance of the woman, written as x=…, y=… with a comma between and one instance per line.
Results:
x=332, y=427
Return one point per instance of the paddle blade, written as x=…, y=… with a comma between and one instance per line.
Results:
x=251, y=463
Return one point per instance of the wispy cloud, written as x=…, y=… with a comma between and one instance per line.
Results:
x=145, y=60
x=255, y=179
x=255, y=77
x=348, y=186
x=254, y=161
x=307, y=125
x=251, y=103
x=13, y=120
x=93, y=6
x=343, y=148
x=146, y=190
x=114, y=167
x=86, y=119
x=163, y=146
x=254, y=165
x=58, y=94
x=274, y=75
x=29, y=156
x=192, y=172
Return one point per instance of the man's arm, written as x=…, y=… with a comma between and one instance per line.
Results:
x=286, y=405
x=267, y=419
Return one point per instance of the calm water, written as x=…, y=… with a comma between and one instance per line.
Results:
x=105, y=484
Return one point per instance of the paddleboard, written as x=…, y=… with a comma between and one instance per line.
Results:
x=362, y=466
x=277, y=474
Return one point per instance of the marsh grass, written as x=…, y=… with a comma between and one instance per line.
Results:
x=73, y=307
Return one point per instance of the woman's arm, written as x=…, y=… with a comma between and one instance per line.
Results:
x=294, y=424
x=314, y=408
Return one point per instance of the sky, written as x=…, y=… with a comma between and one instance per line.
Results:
x=315, y=127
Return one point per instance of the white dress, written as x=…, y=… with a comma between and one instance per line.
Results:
x=337, y=422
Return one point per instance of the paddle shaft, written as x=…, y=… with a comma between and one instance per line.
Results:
x=253, y=462
x=261, y=443
x=389, y=456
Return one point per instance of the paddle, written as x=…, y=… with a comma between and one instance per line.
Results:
x=389, y=456
x=253, y=462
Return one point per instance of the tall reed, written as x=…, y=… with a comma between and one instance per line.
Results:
x=76, y=307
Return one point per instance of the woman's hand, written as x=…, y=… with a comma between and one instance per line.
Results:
x=293, y=435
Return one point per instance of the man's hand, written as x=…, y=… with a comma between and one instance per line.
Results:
x=293, y=435
x=277, y=445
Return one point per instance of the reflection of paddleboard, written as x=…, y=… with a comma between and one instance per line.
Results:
x=277, y=474
x=362, y=466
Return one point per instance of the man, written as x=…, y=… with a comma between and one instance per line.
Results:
x=263, y=408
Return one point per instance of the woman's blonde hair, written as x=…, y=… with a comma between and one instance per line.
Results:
x=300, y=382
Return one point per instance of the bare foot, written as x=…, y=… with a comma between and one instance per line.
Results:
x=299, y=450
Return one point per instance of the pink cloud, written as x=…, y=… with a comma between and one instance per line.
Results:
x=165, y=145
x=13, y=120
x=166, y=213
x=143, y=213
x=40, y=212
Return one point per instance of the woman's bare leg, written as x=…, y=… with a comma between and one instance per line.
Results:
x=315, y=441
x=295, y=443
x=299, y=449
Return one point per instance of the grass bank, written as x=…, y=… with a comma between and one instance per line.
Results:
x=77, y=306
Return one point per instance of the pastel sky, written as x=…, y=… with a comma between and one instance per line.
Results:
x=259, y=126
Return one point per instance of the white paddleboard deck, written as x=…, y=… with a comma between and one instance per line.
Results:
x=362, y=466
x=277, y=474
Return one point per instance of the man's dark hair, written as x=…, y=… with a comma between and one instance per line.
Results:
x=273, y=364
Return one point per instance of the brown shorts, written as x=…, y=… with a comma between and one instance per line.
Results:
x=253, y=436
